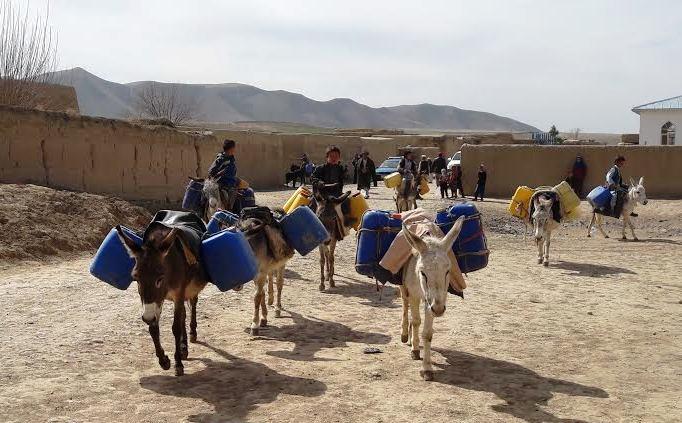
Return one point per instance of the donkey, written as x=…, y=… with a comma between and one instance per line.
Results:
x=543, y=224
x=426, y=279
x=406, y=194
x=636, y=195
x=165, y=269
x=272, y=254
x=214, y=198
x=327, y=212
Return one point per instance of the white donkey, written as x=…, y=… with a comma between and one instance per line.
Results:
x=636, y=194
x=543, y=225
x=426, y=279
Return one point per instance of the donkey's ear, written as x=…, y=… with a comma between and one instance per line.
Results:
x=632, y=182
x=343, y=198
x=167, y=242
x=415, y=242
x=451, y=236
x=130, y=245
x=641, y=181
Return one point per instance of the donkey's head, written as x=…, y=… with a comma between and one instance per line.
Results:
x=326, y=203
x=153, y=268
x=433, y=265
x=637, y=191
x=542, y=215
x=212, y=193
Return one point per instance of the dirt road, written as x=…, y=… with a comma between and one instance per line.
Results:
x=595, y=337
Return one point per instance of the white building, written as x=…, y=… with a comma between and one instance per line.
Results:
x=658, y=121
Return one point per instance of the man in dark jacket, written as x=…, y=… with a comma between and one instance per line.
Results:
x=366, y=173
x=578, y=173
x=408, y=169
x=480, y=184
x=437, y=166
x=224, y=171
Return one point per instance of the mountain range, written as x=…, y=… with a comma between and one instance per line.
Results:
x=231, y=102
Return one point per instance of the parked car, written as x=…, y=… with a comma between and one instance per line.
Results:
x=455, y=160
x=389, y=166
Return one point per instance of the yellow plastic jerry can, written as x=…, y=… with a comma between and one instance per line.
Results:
x=358, y=207
x=300, y=198
x=569, y=201
x=393, y=180
x=520, y=202
x=423, y=186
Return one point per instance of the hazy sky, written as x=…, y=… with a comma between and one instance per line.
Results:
x=574, y=63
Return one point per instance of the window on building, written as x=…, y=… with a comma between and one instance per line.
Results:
x=668, y=134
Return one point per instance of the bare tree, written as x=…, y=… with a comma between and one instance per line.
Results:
x=28, y=54
x=575, y=133
x=162, y=101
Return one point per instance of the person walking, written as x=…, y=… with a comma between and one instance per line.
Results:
x=366, y=173
x=480, y=183
x=578, y=173
x=437, y=166
x=456, y=181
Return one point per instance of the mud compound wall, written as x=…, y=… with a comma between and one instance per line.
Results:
x=152, y=163
x=512, y=165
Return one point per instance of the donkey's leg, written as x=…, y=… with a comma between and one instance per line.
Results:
x=178, y=329
x=271, y=290
x=427, y=334
x=539, y=243
x=280, y=285
x=323, y=263
x=632, y=229
x=548, y=240
x=416, y=321
x=164, y=361
x=330, y=263
x=404, y=322
x=263, y=308
x=589, y=227
x=625, y=223
x=193, y=319
x=599, y=221
x=257, y=297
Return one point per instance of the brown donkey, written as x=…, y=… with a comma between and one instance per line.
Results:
x=328, y=211
x=165, y=269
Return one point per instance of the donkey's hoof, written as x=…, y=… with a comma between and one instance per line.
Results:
x=332, y=284
x=164, y=362
x=427, y=375
x=321, y=287
x=415, y=355
x=539, y=261
x=545, y=263
x=589, y=235
x=255, y=331
x=193, y=338
x=263, y=323
x=184, y=352
x=179, y=371
x=606, y=236
x=635, y=239
x=403, y=339
x=278, y=313
x=271, y=301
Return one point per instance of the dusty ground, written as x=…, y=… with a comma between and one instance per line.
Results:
x=595, y=337
x=38, y=222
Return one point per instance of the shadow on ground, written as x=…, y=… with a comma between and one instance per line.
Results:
x=310, y=336
x=366, y=290
x=233, y=387
x=590, y=270
x=522, y=390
